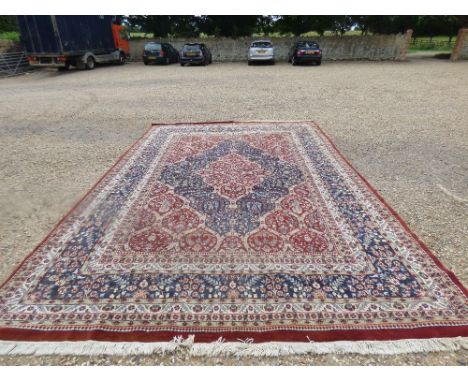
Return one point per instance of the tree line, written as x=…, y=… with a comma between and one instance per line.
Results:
x=8, y=24
x=240, y=26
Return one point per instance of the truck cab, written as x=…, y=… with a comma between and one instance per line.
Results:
x=121, y=38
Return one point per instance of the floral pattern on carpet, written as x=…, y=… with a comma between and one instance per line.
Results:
x=233, y=227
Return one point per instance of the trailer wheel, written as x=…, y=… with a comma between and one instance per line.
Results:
x=90, y=64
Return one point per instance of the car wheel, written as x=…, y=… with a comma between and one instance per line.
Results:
x=182, y=64
x=319, y=63
x=249, y=63
x=90, y=64
x=145, y=62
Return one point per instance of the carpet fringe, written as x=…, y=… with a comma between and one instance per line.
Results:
x=242, y=348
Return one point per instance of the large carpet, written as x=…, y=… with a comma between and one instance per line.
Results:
x=232, y=234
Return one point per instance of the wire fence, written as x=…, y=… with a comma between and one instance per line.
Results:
x=432, y=44
x=13, y=64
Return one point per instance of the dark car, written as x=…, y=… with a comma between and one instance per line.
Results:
x=195, y=53
x=160, y=53
x=303, y=52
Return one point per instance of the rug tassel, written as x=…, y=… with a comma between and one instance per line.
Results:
x=242, y=348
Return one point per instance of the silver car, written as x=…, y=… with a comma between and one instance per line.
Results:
x=261, y=51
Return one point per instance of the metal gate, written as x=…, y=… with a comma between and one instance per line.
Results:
x=14, y=63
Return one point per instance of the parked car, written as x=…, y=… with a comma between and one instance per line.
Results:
x=159, y=53
x=195, y=53
x=305, y=52
x=261, y=51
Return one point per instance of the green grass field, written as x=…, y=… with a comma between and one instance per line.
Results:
x=14, y=36
x=434, y=44
x=436, y=38
x=138, y=35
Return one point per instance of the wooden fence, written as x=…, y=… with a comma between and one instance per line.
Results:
x=431, y=44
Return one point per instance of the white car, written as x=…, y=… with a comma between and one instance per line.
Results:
x=261, y=51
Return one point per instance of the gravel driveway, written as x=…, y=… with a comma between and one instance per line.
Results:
x=403, y=125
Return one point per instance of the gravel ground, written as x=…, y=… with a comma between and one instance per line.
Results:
x=403, y=125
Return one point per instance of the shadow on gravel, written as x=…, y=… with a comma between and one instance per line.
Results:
x=429, y=55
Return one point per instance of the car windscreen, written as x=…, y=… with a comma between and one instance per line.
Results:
x=261, y=44
x=152, y=46
x=307, y=45
x=192, y=47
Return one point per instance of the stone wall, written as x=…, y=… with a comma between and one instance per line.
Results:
x=460, y=50
x=10, y=46
x=376, y=47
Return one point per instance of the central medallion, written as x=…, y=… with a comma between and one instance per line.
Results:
x=233, y=175
x=233, y=184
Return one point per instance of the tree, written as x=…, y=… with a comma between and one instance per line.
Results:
x=295, y=24
x=8, y=24
x=185, y=26
x=228, y=26
x=164, y=26
x=298, y=25
x=385, y=24
x=342, y=24
x=158, y=25
x=321, y=24
x=438, y=25
x=266, y=24
x=237, y=26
